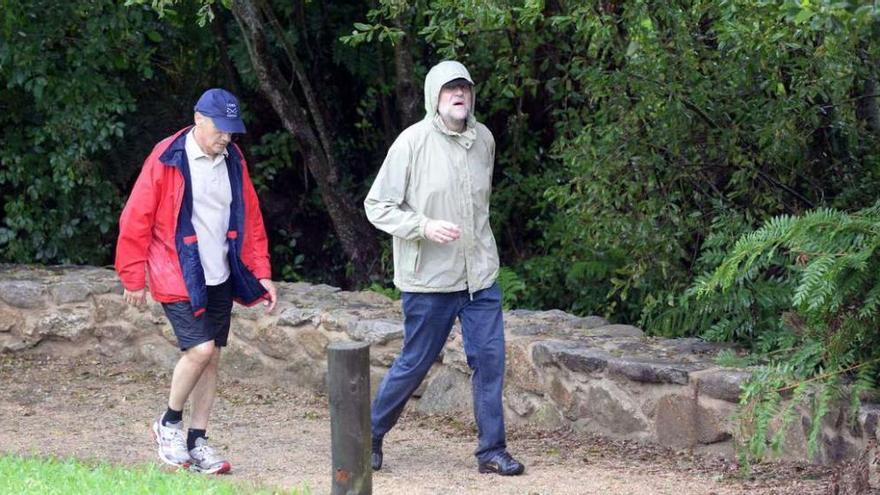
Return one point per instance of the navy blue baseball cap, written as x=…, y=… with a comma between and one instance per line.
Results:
x=222, y=107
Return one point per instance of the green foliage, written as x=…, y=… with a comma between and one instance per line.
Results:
x=66, y=75
x=48, y=476
x=275, y=157
x=668, y=115
x=376, y=29
x=390, y=292
x=89, y=88
x=826, y=345
x=730, y=359
x=748, y=313
x=636, y=139
x=204, y=15
x=512, y=288
x=275, y=154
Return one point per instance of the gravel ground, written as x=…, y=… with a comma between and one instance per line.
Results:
x=101, y=410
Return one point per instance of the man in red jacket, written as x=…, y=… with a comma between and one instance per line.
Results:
x=192, y=231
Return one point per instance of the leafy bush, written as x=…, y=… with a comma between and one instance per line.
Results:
x=828, y=337
x=635, y=140
x=390, y=292
x=66, y=76
x=628, y=132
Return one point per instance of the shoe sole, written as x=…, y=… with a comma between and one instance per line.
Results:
x=222, y=468
x=489, y=470
x=155, y=436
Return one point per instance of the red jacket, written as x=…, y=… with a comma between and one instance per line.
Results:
x=157, y=240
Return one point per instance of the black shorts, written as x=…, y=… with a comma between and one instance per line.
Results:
x=213, y=324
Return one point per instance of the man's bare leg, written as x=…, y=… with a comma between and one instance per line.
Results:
x=188, y=371
x=205, y=458
x=204, y=392
x=168, y=429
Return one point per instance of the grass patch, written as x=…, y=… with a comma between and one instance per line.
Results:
x=46, y=476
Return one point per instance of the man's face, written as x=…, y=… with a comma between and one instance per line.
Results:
x=455, y=101
x=212, y=140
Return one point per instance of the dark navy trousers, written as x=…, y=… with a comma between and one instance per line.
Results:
x=428, y=319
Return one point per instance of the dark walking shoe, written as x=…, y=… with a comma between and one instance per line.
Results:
x=504, y=464
x=376, y=457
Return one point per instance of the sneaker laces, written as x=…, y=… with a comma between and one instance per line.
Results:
x=505, y=458
x=205, y=452
x=171, y=434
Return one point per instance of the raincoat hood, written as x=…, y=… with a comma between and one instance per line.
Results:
x=440, y=74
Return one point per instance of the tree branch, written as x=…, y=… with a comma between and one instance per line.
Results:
x=312, y=103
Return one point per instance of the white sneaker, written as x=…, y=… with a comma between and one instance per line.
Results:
x=172, y=443
x=207, y=460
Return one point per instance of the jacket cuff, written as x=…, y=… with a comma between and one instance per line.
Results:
x=133, y=287
x=423, y=222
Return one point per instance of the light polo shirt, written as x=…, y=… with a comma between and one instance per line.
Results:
x=212, y=197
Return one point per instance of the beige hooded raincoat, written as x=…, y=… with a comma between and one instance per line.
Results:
x=433, y=173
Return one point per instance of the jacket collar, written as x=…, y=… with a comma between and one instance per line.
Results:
x=175, y=153
x=176, y=150
x=464, y=139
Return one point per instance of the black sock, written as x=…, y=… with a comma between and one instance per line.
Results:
x=191, y=437
x=172, y=416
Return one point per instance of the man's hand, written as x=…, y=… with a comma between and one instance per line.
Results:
x=442, y=231
x=270, y=288
x=136, y=298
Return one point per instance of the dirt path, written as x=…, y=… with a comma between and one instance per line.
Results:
x=102, y=410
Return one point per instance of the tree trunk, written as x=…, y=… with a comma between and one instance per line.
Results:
x=867, y=109
x=389, y=131
x=218, y=27
x=357, y=236
x=408, y=99
x=230, y=75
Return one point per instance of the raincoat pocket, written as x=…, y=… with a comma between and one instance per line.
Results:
x=193, y=275
x=408, y=262
x=246, y=289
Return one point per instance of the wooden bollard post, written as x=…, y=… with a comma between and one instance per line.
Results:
x=349, y=384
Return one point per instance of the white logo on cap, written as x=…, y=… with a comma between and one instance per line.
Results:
x=231, y=111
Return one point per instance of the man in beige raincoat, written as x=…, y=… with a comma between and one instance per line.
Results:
x=432, y=195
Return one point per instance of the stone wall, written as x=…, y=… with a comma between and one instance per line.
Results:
x=562, y=370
